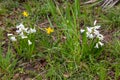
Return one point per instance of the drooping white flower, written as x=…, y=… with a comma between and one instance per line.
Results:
x=22, y=35
x=96, y=46
x=18, y=31
x=82, y=30
x=89, y=29
x=97, y=27
x=101, y=44
x=96, y=32
x=9, y=34
x=29, y=42
x=20, y=26
x=13, y=38
x=100, y=36
x=32, y=30
x=89, y=35
x=25, y=30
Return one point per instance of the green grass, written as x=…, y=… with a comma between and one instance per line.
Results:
x=65, y=54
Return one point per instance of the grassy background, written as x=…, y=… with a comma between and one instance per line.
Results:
x=58, y=56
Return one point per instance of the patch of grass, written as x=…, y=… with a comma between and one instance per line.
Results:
x=7, y=64
x=64, y=53
x=111, y=17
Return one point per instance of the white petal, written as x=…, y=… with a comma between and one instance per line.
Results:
x=32, y=30
x=82, y=30
x=25, y=30
x=100, y=36
x=96, y=46
x=20, y=26
x=91, y=36
x=87, y=33
x=28, y=32
x=23, y=37
x=29, y=42
x=13, y=38
x=95, y=22
x=101, y=44
x=9, y=34
x=18, y=31
x=97, y=27
x=89, y=29
x=21, y=34
x=96, y=32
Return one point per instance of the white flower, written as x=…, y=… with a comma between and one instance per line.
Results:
x=96, y=32
x=90, y=36
x=21, y=34
x=100, y=36
x=89, y=29
x=23, y=37
x=13, y=38
x=101, y=44
x=20, y=26
x=32, y=30
x=96, y=46
x=93, y=32
x=95, y=22
x=25, y=30
x=97, y=27
x=9, y=34
x=18, y=31
x=82, y=30
x=29, y=42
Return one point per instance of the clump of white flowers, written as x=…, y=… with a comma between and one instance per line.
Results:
x=92, y=32
x=22, y=32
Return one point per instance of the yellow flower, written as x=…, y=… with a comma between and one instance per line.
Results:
x=25, y=14
x=49, y=30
